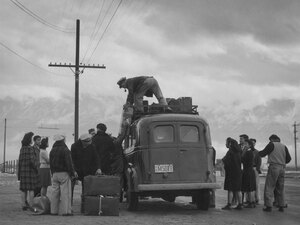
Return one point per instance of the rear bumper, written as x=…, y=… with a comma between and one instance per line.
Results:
x=183, y=186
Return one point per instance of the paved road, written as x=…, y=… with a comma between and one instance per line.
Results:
x=154, y=211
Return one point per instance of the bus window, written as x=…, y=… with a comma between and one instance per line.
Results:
x=189, y=133
x=163, y=134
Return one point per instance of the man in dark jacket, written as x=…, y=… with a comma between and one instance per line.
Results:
x=138, y=87
x=85, y=160
x=104, y=147
x=278, y=157
x=62, y=170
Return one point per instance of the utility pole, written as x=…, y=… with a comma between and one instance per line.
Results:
x=295, y=141
x=77, y=72
x=4, y=147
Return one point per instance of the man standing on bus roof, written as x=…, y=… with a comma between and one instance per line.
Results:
x=141, y=86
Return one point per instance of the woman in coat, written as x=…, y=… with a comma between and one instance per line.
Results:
x=233, y=173
x=27, y=171
x=248, y=177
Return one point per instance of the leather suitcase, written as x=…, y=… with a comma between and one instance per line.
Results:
x=101, y=185
x=101, y=205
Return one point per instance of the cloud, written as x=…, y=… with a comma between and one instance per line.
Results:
x=21, y=92
x=269, y=21
x=281, y=54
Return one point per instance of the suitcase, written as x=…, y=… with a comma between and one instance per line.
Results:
x=101, y=205
x=185, y=104
x=181, y=105
x=101, y=185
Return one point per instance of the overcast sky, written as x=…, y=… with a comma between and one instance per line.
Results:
x=238, y=59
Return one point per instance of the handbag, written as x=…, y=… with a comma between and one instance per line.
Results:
x=41, y=205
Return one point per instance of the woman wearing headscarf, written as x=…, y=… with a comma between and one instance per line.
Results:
x=27, y=171
x=233, y=173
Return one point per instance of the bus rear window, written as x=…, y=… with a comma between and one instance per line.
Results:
x=189, y=133
x=163, y=134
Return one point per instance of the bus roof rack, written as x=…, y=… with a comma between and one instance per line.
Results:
x=182, y=105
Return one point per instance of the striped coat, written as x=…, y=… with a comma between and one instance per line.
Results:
x=28, y=169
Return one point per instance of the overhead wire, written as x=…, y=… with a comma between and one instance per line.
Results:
x=39, y=19
x=31, y=63
x=107, y=11
x=93, y=32
x=105, y=30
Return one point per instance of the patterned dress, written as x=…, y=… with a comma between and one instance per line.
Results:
x=28, y=169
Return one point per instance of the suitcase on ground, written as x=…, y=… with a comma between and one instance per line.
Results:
x=101, y=185
x=101, y=205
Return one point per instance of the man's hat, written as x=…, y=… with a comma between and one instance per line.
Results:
x=85, y=137
x=59, y=137
x=274, y=137
x=121, y=81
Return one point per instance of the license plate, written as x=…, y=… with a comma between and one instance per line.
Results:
x=163, y=168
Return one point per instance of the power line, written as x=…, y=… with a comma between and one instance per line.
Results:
x=92, y=37
x=105, y=30
x=38, y=18
x=22, y=57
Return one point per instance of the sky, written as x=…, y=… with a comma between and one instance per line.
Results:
x=238, y=59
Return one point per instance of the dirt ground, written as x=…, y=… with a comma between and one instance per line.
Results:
x=154, y=211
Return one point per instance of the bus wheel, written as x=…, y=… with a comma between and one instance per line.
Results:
x=202, y=199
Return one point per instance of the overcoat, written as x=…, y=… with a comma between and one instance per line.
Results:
x=28, y=169
x=233, y=171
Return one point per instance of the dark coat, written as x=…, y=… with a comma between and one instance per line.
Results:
x=85, y=160
x=60, y=159
x=248, y=177
x=104, y=147
x=233, y=171
x=28, y=169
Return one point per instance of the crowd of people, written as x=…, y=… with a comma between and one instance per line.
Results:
x=95, y=153
x=242, y=164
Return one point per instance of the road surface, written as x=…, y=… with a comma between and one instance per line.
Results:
x=154, y=211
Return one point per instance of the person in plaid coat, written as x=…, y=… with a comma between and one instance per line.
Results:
x=27, y=171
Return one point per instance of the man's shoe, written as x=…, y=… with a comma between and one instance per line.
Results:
x=227, y=207
x=250, y=205
x=239, y=207
x=281, y=209
x=267, y=209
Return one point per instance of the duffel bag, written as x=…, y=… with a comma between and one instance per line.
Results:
x=41, y=205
